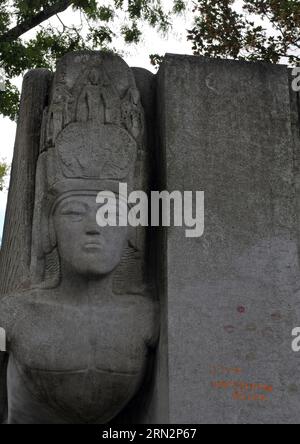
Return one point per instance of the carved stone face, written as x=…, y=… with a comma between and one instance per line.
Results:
x=84, y=247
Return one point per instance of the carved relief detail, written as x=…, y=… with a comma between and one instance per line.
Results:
x=94, y=98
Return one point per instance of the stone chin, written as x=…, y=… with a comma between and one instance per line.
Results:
x=92, y=266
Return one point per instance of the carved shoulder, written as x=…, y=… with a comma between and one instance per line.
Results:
x=148, y=315
x=11, y=309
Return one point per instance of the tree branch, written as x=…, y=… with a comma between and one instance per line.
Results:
x=32, y=22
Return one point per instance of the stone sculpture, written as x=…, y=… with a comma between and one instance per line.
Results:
x=80, y=335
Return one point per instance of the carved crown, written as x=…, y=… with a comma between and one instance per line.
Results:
x=92, y=153
x=94, y=125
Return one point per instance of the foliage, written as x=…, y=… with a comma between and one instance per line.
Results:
x=100, y=27
x=3, y=172
x=267, y=30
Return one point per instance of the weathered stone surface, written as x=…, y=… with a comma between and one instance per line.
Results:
x=16, y=243
x=232, y=296
x=80, y=338
x=153, y=404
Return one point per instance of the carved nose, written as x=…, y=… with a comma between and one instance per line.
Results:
x=93, y=232
x=92, y=228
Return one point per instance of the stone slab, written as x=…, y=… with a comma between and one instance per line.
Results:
x=231, y=297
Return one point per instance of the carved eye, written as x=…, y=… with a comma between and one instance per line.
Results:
x=74, y=212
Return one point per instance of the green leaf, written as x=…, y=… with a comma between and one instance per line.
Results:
x=4, y=169
x=131, y=34
x=9, y=101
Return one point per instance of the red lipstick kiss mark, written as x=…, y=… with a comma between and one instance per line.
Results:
x=229, y=329
x=276, y=316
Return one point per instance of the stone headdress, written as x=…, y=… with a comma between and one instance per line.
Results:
x=92, y=139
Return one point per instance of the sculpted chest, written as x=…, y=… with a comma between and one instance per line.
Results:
x=58, y=337
x=86, y=361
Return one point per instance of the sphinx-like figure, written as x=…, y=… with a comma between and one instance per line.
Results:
x=79, y=338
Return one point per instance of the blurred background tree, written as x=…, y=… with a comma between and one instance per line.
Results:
x=98, y=30
x=267, y=30
x=4, y=168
